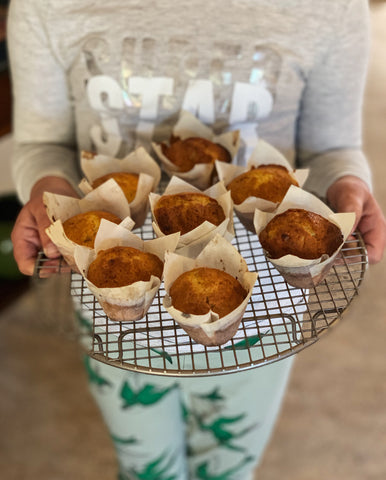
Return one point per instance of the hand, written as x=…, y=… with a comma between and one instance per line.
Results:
x=28, y=235
x=351, y=194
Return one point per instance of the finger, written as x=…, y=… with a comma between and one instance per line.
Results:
x=27, y=265
x=373, y=251
x=48, y=268
x=26, y=238
x=374, y=235
x=48, y=247
x=25, y=252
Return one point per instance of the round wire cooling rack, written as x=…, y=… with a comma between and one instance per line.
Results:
x=280, y=320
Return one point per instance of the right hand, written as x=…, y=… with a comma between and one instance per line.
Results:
x=28, y=235
x=351, y=194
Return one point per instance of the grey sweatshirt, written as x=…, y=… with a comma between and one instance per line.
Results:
x=109, y=76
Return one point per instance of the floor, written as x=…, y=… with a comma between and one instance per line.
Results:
x=333, y=422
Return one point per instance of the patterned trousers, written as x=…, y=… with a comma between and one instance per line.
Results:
x=179, y=428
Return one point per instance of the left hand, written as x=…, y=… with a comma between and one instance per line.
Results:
x=351, y=194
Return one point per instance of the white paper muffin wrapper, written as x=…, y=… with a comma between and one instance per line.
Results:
x=138, y=161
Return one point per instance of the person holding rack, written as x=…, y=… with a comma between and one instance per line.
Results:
x=110, y=76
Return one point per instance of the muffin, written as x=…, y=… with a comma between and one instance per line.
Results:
x=193, y=147
x=203, y=289
x=185, y=154
x=302, y=233
x=127, y=181
x=182, y=212
x=83, y=227
x=269, y=182
x=122, y=265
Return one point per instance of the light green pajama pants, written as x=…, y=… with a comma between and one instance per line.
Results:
x=179, y=428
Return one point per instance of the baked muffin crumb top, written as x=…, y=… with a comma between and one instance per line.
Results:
x=120, y=266
x=302, y=233
x=269, y=182
x=182, y=212
x=83, y=227
x=127, y=181
x=185, y=154
x=202, y=289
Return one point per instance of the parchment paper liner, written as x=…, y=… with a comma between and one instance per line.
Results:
x=263, y=154
x=108, y=197
x=209, y=329
x=300, y=272
x=191, y=243
x=201, y=175
x=138, y=162
x=131, y=302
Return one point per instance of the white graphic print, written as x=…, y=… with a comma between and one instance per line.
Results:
x=199, y=100
x=229, y=91
x=106, y=136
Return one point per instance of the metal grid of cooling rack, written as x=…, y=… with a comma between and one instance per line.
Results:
x=280, y=320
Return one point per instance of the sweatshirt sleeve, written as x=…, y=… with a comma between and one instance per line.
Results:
x=330, y=120
x=43, y=124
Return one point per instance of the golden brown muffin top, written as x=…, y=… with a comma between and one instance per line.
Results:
x=185, y=154
x=202, y=289
x=302, y=233
x=269, y=182
x=182, y=212
x=120, y=266
x=83, y=227
x=127, y=181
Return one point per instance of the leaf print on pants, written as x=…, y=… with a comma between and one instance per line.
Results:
x=203, y=473
x=154, y=470
x=147, y=395
x=93, y=375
